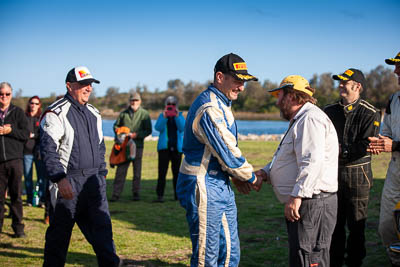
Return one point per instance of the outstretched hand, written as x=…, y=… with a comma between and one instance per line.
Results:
x=379, y=144
x=243, y=187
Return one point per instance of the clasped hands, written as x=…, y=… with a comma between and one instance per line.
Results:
x=245, y=187
x=5, y=129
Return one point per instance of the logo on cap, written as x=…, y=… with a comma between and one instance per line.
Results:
x=349, y=72
x=83, y=73
x=240, y=66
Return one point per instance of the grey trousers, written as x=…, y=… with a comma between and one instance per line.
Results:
x=310, y=237
x=122, y=170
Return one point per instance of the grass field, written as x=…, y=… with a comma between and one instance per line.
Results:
x=156, y=234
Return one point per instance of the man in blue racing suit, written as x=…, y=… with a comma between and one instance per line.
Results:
x=212, y=156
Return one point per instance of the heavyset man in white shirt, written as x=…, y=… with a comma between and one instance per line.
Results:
x=303, y=173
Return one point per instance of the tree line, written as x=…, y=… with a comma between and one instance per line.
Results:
x=381, y=83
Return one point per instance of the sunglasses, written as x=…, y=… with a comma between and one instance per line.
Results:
x=5, y=94
x=34, y=103
x=173, y=104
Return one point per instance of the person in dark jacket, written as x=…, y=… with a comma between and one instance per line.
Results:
x=13, y=135
x=170, y=124
x=31, y=152
x=72, y=148
x=355, y=120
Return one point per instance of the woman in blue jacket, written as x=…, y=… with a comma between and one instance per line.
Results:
x=170, y=124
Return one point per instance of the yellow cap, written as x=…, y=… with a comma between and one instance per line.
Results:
x=296, y=82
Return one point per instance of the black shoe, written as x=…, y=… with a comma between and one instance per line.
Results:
x=159, y=199
x=136, y=197
x=114, y=199
x=19, y=235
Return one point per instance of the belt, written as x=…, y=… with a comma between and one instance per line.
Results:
x=83, y=172
x=321, y=195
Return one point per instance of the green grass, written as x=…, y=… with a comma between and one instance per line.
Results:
x=154, y=234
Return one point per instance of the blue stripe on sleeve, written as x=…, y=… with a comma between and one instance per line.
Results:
x=218, y=144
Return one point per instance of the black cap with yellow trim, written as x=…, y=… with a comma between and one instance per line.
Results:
x=351, y=74
x=392, y=61
x=234, y=65
x=296, y=82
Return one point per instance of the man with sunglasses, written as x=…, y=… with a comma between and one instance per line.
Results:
x=72, y=148
x=137, y=119
x=13, y=135
x=355, y=121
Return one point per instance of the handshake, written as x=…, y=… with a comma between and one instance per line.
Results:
x=245, y=187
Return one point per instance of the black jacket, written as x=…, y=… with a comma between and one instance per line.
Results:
x=354, y=123
x=12, y=144
x=31, y=146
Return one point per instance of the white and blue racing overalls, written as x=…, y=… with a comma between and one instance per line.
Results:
x=211, y=156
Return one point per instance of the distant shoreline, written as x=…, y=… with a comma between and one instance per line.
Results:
x=109, y=114
x=241, y=137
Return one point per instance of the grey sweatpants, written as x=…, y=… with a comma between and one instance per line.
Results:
x=390, y=197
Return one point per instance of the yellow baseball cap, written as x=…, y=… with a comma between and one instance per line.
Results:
x=296, y=82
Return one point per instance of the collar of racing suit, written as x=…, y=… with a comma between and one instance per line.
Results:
x=350, y=107
x=74, y=102
x=223, y=97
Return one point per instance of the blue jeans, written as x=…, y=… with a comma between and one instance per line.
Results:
x=41, y=178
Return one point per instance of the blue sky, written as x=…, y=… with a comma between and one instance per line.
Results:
x=125, y=43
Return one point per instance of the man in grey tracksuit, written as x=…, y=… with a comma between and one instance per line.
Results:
x=389, y=141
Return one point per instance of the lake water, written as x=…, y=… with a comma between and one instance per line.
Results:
x=244, y=127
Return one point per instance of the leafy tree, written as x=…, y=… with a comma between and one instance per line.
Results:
x=111, y=98
x=18, y=93
x=175, y=85
x=381, y=83
x=325, y=91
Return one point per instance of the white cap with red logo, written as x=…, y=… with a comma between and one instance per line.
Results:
x=81, y=75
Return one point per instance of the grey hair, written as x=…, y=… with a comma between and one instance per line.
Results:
x=171, y=99
x=4, y=84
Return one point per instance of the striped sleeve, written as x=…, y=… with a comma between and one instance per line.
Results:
x=211, y=129
x=51, y=133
